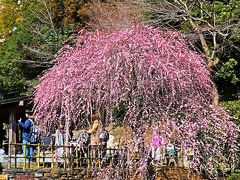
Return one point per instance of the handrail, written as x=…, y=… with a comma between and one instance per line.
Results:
x=75, y=156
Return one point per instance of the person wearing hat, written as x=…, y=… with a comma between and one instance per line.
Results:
x=26, y=126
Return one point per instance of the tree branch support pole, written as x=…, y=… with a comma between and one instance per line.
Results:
x=67, y=124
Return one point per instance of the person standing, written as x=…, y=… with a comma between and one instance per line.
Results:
x=59, y=141
x=95, y=130
x=156, y=155
x=26, y=127
x=94, y=138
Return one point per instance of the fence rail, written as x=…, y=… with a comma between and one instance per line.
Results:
x=84, y=161
x=65, y=156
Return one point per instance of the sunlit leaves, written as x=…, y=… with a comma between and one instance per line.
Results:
x=66, y=12
x=10, y=14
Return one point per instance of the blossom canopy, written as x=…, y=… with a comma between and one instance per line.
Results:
x=154, y=75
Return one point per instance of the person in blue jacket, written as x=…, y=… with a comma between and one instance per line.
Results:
x=26, y=126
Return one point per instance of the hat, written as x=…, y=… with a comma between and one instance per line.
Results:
x=28, y=112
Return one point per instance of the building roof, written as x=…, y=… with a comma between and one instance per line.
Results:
x=13, y=100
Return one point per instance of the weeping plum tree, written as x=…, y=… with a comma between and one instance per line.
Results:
x=158, y=79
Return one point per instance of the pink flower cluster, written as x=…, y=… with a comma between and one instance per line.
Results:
x=155, y=75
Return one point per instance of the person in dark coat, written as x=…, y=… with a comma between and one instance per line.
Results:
x=26, y=126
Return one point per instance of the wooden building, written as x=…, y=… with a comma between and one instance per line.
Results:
x=10, y=111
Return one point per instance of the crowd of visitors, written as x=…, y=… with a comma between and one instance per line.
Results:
x=161, y=151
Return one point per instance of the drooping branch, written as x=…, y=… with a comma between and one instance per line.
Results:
x=157, y=78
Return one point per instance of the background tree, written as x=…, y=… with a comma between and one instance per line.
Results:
x=10, y=14
x=212, y=27
x=32, y=36
x=113, y=15
x=66, y=12
x=12, y=81
x=157, y=78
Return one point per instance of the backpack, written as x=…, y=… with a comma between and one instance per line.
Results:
x=170, y=148
x=104, y=136
x=34, y=133
x=46, y=141
x=84, y=137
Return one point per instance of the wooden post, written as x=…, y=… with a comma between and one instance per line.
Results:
x=66, y=145
x=24, y=155
x=12, y=132
x=38, y=155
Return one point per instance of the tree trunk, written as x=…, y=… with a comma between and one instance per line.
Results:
x=215, y=95
x=210, y=61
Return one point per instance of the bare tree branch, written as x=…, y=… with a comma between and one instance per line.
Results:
x=49, y=15
x=37, y=53
x=37, y=63
x=114, y=15
x=174, y=13
x=205, y=29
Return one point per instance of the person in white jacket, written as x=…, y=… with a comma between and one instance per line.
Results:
x=59, y=141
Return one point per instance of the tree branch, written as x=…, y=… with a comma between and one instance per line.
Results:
x=38, y=63
x=37, y=53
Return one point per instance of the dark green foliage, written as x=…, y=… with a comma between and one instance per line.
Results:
x=233, y=107
x=227, y=76
x=234, y=176
x=12, y=81
x=45, y=35
x=30, y=49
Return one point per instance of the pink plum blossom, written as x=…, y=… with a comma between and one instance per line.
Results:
x=157, y=78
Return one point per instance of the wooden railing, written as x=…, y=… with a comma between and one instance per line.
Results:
x=65, y=156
